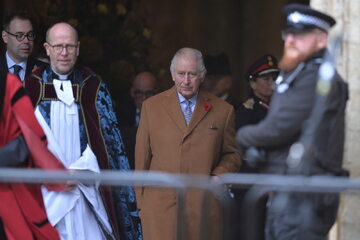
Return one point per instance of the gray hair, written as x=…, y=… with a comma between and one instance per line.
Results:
x=189, y=52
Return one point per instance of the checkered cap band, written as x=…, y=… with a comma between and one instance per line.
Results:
x=297, y=17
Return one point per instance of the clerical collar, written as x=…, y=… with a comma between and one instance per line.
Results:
x=59, y=76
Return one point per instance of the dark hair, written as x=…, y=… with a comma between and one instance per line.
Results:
x=10, y=15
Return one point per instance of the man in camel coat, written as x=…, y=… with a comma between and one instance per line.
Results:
x=183, y=130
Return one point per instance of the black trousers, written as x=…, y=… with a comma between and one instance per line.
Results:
x=250, y=213
x=2, y=231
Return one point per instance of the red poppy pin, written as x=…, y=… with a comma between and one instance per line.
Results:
x=207, y=106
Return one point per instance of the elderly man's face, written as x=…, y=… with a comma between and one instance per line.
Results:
x=144, y=86
x=18, y=50
x=187, y=76
x=62, y=48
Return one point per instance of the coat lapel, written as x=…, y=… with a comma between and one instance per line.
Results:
x=29, y=66
x=32, y=63
x=3, y=65
x=172, y=106
x=199, y=112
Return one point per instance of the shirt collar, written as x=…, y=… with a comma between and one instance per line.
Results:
x=225, y=96
x=11, y=63
x=192, y=99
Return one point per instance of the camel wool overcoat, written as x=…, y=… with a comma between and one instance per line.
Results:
x=165, y=143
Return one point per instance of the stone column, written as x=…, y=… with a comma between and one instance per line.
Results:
x=347, y=15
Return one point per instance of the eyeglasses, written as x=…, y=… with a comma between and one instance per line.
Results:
x=59, y=48
x=20, y=36
x=138, y=93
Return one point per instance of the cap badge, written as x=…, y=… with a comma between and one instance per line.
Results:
x=294, y=17
x=270, y=62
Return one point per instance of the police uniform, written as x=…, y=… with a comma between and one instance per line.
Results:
x=301, y=216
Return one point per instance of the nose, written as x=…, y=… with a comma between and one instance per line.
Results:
x=64, y=51
x=25, y=40
x=290, y=37
x=187, y=78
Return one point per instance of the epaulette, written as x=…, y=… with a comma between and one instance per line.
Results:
x=249, y=104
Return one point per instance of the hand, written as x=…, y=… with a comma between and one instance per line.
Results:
x=70, y=184
x=215, y=178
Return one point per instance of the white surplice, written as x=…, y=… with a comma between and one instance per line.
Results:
x=69, y=211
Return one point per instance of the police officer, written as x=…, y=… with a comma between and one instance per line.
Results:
x=261, y=75
x=291, y=215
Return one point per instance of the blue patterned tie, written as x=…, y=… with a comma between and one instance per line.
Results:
x=187, y=112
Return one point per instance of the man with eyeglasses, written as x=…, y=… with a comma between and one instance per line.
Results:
x=74, y=107
x=19, y=36
x=143, y=86
x=303, y=131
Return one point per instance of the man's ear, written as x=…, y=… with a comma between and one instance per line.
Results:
x=4, y=36
x=322, y=40
x=78, y=49
x=46, y=46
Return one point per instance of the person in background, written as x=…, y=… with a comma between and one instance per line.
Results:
x=218, y=79
x=260, y=75
x=18, y=35
x=144, y=85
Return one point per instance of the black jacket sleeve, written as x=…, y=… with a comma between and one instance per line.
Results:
x=14, y=153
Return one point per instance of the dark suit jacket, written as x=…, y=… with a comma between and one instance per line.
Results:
x=31, y=64
x=251, y=111
x=126, y=112
x=232, y=101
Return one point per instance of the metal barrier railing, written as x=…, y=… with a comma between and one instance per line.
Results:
x=162, y=179
x=180, y=182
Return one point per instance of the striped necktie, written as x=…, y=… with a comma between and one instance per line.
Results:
x=187, y=112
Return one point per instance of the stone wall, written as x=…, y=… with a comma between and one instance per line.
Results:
x=346, y=13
